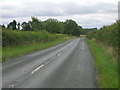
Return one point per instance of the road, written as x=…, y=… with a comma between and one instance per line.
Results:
x=68, y=65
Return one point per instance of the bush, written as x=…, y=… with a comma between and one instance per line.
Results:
x=107, y=35
x=15, y=38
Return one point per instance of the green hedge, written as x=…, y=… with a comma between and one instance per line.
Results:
x=107, y=35
x=15, y=38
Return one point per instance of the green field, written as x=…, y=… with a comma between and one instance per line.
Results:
x=107, y=68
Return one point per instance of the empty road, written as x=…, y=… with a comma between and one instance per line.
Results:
x=68, y=65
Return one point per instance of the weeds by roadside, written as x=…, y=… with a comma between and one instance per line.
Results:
x=107, y=69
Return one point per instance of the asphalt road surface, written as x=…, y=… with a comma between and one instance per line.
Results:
x=68, y=65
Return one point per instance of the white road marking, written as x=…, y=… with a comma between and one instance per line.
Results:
x=59, y=53
x=37, y=68
x=11, y=86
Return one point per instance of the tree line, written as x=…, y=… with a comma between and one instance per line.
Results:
x=87, y=30
x=51, y=25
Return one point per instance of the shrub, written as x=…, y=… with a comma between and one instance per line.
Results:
x=107, y=35
x=15, y=38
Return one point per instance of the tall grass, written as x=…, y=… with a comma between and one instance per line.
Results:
x=107, y=35
x=106, y=67
x=16, y=38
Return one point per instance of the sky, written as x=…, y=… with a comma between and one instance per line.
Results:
x=87, y=13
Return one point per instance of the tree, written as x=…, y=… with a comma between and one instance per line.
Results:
x=3, y=26
x=77, y=31
x=71, y=28
x=18, y=26
x=52, y=25
x=9, y=26
x=12, y=25
x=25, y=26
x=30, y=25
x=62, y=27
x=36, y=24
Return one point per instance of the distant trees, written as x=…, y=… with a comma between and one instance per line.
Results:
x=25, y=26
x=3, y=26
x=53, y=26
x=87, y=30
x=72, y=28
x=36, y=24
x=69, y=27
x=33, y=25
x=12, y=25
x=18, y=26
x=78, y=31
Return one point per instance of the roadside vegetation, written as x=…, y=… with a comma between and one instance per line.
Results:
x=19, y=39
x=13, y=38
x=107, y=36
x=103, y=44
x=11, y=52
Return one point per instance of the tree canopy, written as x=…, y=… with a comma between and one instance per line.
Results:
x=51, y=25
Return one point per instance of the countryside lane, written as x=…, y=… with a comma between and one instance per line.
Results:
x=68, y=65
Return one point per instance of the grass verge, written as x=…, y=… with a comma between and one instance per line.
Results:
x=11, y=52
x=107, y=69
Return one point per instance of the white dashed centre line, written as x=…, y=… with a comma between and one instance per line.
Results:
x=59, y=53
x=37, y=68
x=11, y=86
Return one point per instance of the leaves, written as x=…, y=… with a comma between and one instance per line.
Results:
x=15, y=38
x=107, y=35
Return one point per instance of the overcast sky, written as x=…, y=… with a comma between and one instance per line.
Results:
x=87, y=13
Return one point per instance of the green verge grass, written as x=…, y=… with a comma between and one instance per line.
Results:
x=107, y=69
x=11, y=52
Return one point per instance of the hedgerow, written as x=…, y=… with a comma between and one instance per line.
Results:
x=107, y=35
x=14, y=38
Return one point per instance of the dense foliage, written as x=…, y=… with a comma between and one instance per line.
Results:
x=53, y=26
x=87, y=30
x=36, y=30
x=16, y=38
x=107, y=35
x=69, y=27
x=72, y=28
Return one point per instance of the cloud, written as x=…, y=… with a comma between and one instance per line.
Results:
x=55, y=9
x=89, y=12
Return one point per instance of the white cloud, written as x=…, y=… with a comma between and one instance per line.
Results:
x=88, y=13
